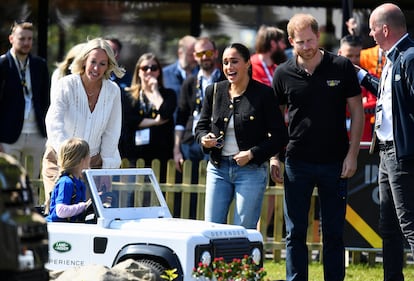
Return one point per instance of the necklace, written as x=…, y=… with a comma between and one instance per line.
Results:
x=92, y=99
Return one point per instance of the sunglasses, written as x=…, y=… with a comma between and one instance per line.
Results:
x=207, y=53
x=149, y=67
x=220, y=142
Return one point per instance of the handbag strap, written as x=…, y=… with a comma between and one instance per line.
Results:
x=214, y=98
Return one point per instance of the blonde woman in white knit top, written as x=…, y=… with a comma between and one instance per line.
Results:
x=86, y=105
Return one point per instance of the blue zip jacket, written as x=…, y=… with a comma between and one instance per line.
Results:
x=402, y=58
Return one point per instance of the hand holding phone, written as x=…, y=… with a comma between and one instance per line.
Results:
x=210, y=140
x=219, y=142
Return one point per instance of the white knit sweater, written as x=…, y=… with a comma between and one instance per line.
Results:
x=69, y=116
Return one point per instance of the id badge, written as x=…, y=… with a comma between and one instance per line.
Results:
x=196, y=118
x=378, y=116
x=348, y=124
x=142, y=137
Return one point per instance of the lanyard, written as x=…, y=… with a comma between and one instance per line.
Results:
x=200, y=88
x=380, y=106
x=22, y=70
x=269, y=76
x=387, y=68
x=27, y=93
x=199, y=95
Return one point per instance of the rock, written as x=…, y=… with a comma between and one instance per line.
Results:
x=128, y=270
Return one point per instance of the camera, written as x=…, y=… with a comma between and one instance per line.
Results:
x=23, y=231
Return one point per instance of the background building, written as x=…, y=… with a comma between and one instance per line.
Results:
x=156, y=25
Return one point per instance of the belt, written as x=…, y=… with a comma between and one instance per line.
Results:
x=229, y=159
x=385, y=145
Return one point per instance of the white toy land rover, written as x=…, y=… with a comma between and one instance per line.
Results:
x=130, y=219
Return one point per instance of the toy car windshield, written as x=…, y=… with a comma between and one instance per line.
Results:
x=125, y=193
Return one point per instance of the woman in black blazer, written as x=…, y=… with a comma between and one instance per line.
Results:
x=241, y=127
x=148, y=122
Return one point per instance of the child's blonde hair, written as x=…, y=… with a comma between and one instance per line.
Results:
x=71, y=153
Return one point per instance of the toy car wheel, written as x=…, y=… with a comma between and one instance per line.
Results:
x=154, y=267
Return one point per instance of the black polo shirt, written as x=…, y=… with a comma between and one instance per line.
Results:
x=316, y=107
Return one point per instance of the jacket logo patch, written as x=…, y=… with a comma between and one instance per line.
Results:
x=397, y=77
x=332, y=83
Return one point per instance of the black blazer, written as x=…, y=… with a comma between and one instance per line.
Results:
x=12, y=101
x=161, y=137
x=258, y=121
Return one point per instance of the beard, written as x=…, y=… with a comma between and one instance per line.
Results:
x=307, y=54
x=207, y=65
x=23, y=51
x=278, y=56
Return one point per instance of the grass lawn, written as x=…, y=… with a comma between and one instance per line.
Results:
x=361, y=272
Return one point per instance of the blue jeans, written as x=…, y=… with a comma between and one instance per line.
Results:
x=245, y=184
x=396, y=190
x=300, y=179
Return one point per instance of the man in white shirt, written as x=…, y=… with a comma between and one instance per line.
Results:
x=394, y=135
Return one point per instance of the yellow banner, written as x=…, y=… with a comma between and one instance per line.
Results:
x=363, y=228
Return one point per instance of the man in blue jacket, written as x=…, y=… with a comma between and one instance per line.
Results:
x=24, y=98
x=394, y=135
x=174, y=74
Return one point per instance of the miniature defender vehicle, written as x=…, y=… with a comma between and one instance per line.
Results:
x=130, y=219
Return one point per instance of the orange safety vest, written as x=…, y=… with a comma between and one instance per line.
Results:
x=372, y=61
